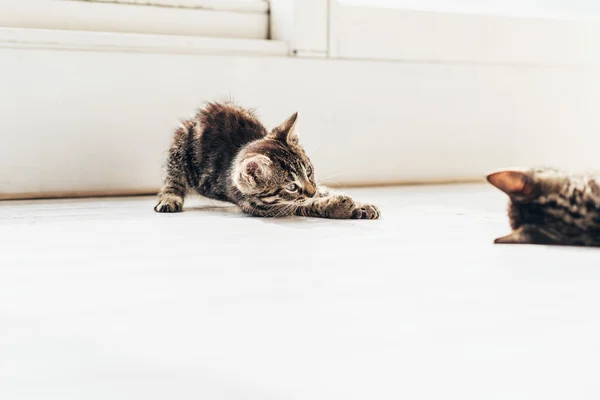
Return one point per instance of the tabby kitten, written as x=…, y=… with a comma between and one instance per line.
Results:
x=548, y=206
x=225, y=153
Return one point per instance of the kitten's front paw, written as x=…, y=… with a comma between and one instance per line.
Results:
x=366, y=211
x=169, y=204
x=340, y=207
x=344, y=207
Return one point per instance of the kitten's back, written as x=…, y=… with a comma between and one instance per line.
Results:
x=222, y=130
x=231, y=122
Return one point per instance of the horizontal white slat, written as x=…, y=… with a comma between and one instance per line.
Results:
x=132, y=42
x=257, y=6
x=109, y=17
x=368, y=32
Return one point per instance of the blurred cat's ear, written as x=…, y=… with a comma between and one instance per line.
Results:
x=286, y=132
x=525, y=235
x=512, y=182
x=255, y=169
x=516, y=237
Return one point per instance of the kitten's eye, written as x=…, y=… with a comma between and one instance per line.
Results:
x=292, y=187
x=309, y=171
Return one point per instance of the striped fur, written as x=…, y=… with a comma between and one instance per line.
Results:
x=225, y=153
x=552, y=207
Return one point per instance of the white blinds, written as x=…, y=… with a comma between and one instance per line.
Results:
x=251, y=6
x=246, y=19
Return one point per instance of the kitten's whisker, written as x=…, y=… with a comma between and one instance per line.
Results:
x=279, y=212
x=328, y=178
x=279, y=209
x=287, y=210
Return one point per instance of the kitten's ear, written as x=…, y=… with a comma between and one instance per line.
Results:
x=286, y=132
x=254, y=170
x=525, y=236
x=516, y=237
x=512, y=182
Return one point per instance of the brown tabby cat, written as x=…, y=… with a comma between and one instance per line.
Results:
x=225, y=153
x=548, y=206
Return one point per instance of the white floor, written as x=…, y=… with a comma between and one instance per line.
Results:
x=105, y=299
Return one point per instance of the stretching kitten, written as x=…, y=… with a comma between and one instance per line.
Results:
x=225, y=153
x=550, y=207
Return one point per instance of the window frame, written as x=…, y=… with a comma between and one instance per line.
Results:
x=366, y=32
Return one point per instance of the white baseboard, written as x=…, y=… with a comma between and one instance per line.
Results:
x=76, y=121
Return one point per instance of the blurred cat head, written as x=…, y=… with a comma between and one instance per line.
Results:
x=549, y=206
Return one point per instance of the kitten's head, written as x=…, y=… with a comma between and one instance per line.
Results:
x=547, y=205
x=276, y=170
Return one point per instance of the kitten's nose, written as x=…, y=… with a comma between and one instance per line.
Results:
x=310, y=190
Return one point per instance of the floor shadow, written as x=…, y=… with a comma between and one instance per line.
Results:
x=295, y=221
x=223, y=210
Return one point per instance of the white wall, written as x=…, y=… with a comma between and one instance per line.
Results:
x=454, y=95
x=88, y=121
